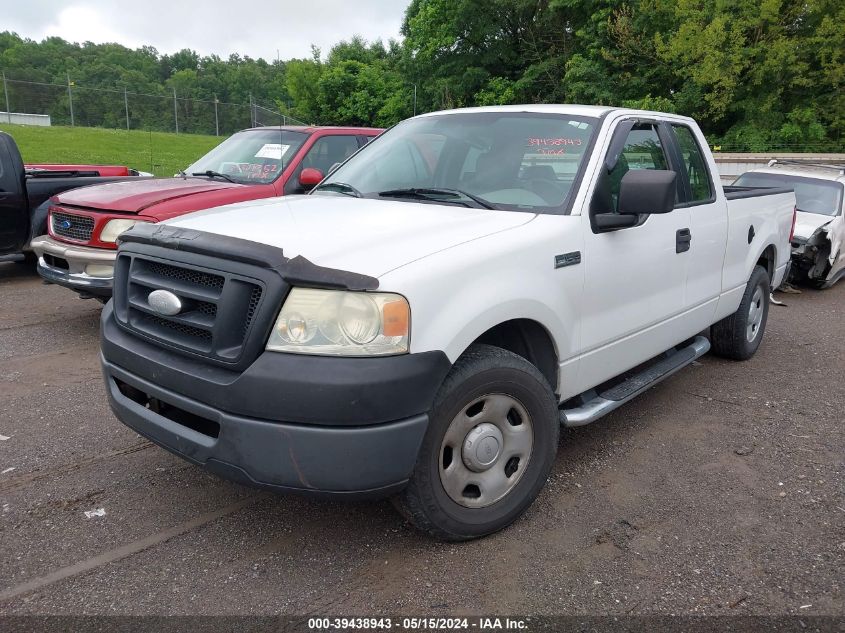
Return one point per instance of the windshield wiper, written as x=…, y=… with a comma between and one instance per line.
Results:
x=341, y=187
x=435, y=194
x=213, y=174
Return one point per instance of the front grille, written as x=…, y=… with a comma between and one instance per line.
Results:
x=218, y=308
x=195, y=277
x=71, y=226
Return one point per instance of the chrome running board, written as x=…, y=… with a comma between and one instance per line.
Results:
x=602, y=403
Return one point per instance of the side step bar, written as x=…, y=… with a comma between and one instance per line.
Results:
x=603, y=403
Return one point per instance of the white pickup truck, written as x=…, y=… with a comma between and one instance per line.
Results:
x=421, y=325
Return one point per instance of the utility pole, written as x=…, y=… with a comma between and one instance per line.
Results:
x=251, y=111
x=6, y=92
x=70, y=98
x=175, y=112
x=216, y=120
x=126, y=107
x=415, y=99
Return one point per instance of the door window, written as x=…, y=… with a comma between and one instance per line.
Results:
x=328, y=151
x=699, y=177
x=642, y=150
x=324, y=154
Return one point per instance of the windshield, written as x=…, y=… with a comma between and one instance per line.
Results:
x=251, y=156
x=813, y=195
x=502, y=160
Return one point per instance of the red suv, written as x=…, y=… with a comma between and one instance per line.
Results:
x=84, y=223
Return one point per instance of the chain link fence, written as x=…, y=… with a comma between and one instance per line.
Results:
x=39, y=103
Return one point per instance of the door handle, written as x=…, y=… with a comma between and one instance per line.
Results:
x=683, y=239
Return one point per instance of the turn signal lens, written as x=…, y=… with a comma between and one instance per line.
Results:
x=396, y=318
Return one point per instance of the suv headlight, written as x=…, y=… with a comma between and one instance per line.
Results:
x=114, y=228
x=342, y=323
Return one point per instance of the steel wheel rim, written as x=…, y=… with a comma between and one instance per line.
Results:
x=468, y=479
x=755, y=315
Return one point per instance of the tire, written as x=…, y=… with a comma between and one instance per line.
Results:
x=736, y=336
x=487, y=387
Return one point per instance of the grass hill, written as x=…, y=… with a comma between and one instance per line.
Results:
x=160, y=153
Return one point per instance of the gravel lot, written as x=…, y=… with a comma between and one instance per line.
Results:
x=719, y=491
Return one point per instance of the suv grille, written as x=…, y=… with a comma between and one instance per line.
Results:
x=217, y=308
x=74, y=227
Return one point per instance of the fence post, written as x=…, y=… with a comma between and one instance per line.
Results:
x=175, y=112
x=216, y=120
x=126, y=106
x=6, y=92
x=70, y=98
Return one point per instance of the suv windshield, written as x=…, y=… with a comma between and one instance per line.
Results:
x=251, y=156
x=503, y=160
x=813, y=195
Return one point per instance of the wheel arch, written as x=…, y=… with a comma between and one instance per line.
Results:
x=527, y=338
x=768, y=260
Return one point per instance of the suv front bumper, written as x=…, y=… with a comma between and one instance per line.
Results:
x=324, y=426
x=71, y=266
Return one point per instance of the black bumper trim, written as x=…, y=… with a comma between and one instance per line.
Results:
x=321, y=390
x=363, y=461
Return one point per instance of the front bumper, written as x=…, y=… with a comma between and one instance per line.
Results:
x=69, y=265
x=347, y=427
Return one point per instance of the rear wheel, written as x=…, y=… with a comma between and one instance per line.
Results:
x=490, y=445
x=739, y=335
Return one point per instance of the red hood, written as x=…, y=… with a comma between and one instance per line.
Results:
x=134, y=196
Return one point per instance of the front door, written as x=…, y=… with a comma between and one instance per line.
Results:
x=635, y=276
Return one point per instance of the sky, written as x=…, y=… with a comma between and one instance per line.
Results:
x=256, y=29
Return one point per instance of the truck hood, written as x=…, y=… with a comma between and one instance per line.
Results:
x=808, y=223
x=134, y=196
x=366, y=236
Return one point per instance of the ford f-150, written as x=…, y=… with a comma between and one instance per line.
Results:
x=422, y=324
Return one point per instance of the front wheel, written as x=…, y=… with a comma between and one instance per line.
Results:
x=490, y=445
x=739, y=335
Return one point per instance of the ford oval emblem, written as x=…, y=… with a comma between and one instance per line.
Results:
x=164, y=302
x=65, y=224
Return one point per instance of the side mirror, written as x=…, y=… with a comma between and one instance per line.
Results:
x=641, y=192
x=310, y=178
x=646, y=191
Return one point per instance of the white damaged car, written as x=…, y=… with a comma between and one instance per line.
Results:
x=818, y=257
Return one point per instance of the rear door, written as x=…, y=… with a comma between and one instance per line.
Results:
x=635, y=276
x=14, y=207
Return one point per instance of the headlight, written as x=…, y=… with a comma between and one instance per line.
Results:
x=341, y=323
x=113, y=228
